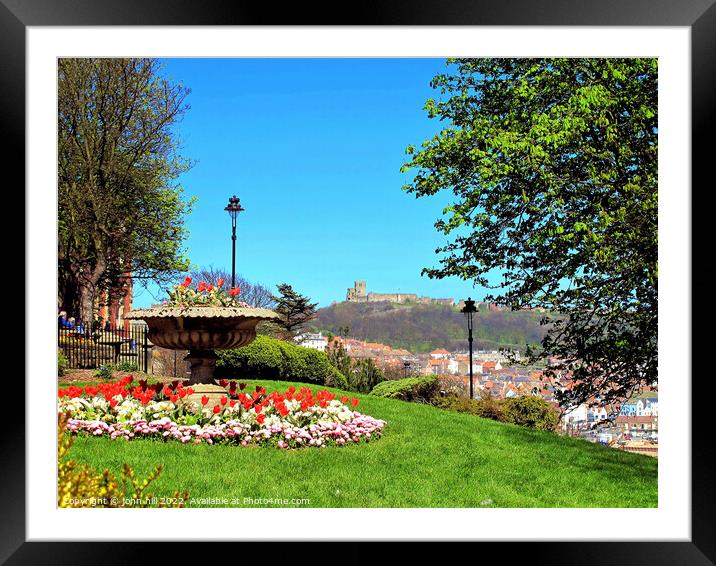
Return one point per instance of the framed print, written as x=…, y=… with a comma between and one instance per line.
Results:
x=391, y=278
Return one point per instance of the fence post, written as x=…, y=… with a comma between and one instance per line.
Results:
x=146, y=351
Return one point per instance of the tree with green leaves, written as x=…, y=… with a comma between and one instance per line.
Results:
x=295, y=310
x=552, y=164
x=361, y=373
x=121, y=212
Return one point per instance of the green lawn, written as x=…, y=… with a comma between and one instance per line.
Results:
x=427, y=457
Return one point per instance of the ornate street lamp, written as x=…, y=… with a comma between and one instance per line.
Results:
x=233, y=208
x=468, y=310
x=406, y=368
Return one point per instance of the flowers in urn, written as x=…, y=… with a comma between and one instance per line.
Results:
x=204, y=295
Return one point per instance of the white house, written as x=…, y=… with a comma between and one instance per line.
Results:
x=452, y=366
x=648, y=407
x=577, y=414
x=440, y=354
x=597, y=413
x=313, y=341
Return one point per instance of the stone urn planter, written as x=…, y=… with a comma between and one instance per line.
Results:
x=201, y=330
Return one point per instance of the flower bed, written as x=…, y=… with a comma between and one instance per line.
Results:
x=291, y=419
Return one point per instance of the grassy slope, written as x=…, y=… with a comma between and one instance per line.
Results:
x=422, y=328
x=427, y=457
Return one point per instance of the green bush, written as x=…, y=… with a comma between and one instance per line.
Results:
x=126, y=366
x=422, y=389
x=485, y=407
x=337, y=379
x=62, y=363
x=361, y=375
x=103, y=372
x=530, y=411
x=269, y=358
x=364, y=376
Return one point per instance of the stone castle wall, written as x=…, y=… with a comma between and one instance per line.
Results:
x=357, y=294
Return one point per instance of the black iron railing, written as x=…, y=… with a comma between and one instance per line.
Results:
x=89, y=346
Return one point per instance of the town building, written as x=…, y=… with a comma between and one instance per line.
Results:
x=440, y=354
x=313, y=341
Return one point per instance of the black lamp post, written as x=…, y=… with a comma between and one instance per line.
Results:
x=406, y=367
x=233, y=208
x=468, y=310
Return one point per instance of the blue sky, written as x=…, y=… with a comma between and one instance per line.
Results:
x=313, y=148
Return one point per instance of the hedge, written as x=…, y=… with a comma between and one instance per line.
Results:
x=408, y=389
x=530, y=411
x=269, y=358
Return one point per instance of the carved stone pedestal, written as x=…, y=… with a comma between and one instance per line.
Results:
x=203, y=364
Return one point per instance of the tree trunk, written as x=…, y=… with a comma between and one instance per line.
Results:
x=67, y=295
x=87, y=289
x=86, y=292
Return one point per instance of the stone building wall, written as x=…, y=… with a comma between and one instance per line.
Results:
x=357, y=293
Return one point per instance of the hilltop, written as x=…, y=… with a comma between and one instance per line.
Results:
x=425, y=327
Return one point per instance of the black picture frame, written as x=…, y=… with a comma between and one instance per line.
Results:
x=698, y=15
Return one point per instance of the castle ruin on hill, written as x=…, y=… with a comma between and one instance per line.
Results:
x=357, y=294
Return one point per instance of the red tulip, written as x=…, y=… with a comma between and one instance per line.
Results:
x=174, y=398
x=223, y=382
x=220, y=282
x=217, y=409
x=209, y=287
x=204, y=399
x=167, y=391
x=201, y=287
x=354, y=402
x=224, y=400
x=344, y=399
x=260, y=418
x=234, y=291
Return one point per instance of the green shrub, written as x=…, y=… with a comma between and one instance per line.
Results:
x=62, y=363
x=361, y=375
x=364, y=376
x=126, y=366
x=422, y=389
x=269, y=358
x=103, y=372
x=485, y=407
x=337, y=379
x=530, y=411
